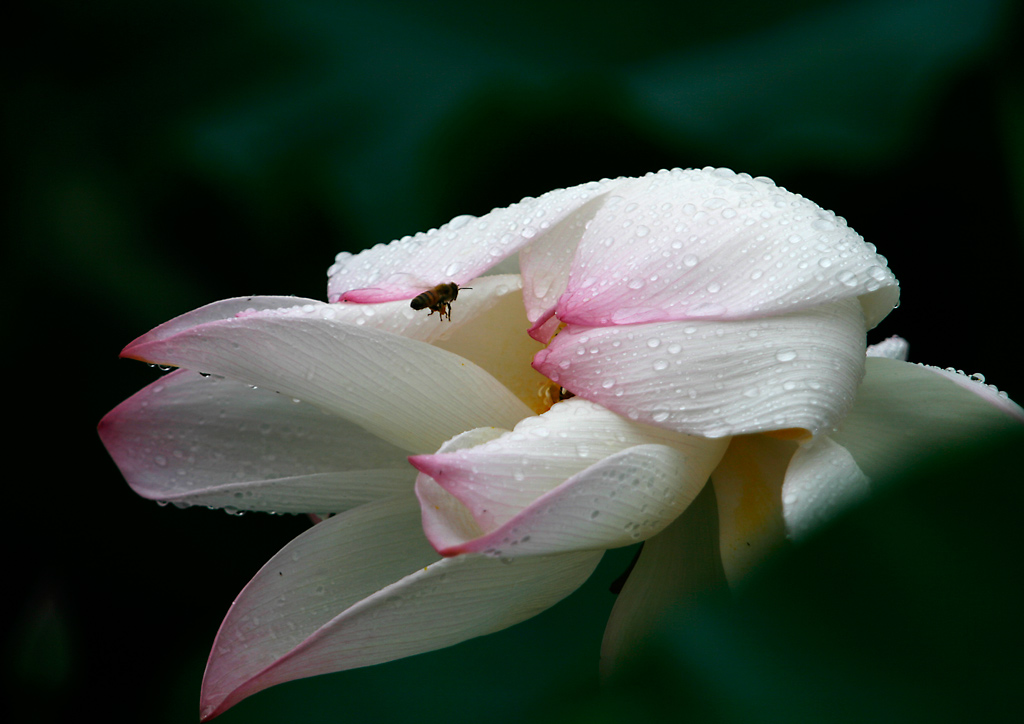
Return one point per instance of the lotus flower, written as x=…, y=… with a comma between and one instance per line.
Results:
x=657, y=333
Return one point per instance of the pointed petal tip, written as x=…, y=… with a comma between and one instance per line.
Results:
x=423, y=463
x=130, y=350
x=210, y=709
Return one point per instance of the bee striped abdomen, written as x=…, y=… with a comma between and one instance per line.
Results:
x=439, y=299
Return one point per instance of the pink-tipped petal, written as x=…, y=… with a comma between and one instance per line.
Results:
x=494, y=302
x=799, y=370
x=496, y=480
x=404, y=391
x=822, y=481
x=712, y=244
x=318, y=575
x=624, y=498
x=197, y=440
x=458, y=251
x=545, y=264
x=905, y=412
x=362, y=588
x=216, y=311
x=545, y=327
x=446, y=521
x=398, y=317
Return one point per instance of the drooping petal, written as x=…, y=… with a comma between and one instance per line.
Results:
x=905, y=412
x=197, y=440
x=625, y=498
x=712, y=244
x=497, y=480
x=411, y=394
x=458, y=251
x=676, y=568
x=494, y=303
x=798, y=370
x=362, y=588
x=822, y=481
x=748, y=486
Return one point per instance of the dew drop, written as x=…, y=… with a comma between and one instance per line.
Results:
x=847, y=278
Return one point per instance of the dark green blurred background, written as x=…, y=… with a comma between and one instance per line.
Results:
x=162, y=156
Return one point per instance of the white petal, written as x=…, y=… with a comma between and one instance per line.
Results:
x=496, y=480
x=217, y=311
x=905, y=412
x=626, y=497
x=398, y=317
x=547, y=262
x=360, y=589
x=677, y=568
x=486, y=328
x=199, y=440
x=446, y=521
x=406, y=392
x=748, y=486
x=462, y=249
x=893, y=348
x=799, y=370
x=711, y=244
x=822, y=481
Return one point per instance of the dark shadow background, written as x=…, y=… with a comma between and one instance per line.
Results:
x=162, y=156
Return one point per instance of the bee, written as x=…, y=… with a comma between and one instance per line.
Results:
x=439, y=299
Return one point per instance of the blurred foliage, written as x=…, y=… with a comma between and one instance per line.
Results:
x=162, y=156
x=907, y=609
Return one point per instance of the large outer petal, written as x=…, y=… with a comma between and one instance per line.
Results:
x=905, y=412
x=458, y=251
x=411, y=394
x=216, y=311
x=362, y=588
x=798, y=370
x=711, y=244
x=197, y=440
